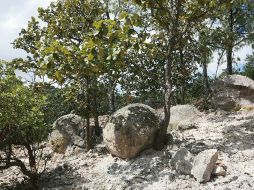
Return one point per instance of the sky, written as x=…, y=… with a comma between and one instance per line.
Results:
x=14, y=15
x=241, y=53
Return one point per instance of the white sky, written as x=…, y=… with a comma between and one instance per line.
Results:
x=14, y=15
x=242, y=53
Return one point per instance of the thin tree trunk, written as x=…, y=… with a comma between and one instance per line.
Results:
x=229, y=60
x=205, y=83
x=229, y=50
x=88, y=133
x=205, y=76
x=182, y=88
x=111, y=97
x=97, y=129
x=183, y=93
x=33, y=168
x=162, y=133
x=34, y=182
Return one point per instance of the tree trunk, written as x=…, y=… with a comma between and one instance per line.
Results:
x=97, y=129
x=111, y=97
x=182, y=86
x=230, y=60
x=34, y=182
x=161, y=137
x=183, y=93
x=205, y=78
x=88, y=133
x=205, y=84
x=33, y=168
x=229, y=50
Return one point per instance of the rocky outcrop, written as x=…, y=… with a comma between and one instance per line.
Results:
x=67, y=131
x=203, y=165
x=131, y=130
x=233, y=92
x=182, y=161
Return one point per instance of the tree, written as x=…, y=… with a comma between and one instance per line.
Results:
x=248, y=69
x=23, y=124
x=234, y=27
x=74, y=46
x=173, y=23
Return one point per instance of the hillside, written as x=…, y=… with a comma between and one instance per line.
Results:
x=232, y=134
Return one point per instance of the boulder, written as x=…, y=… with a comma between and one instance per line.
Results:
x=233, y=92
x=203, y=165
x=183, y=117
x=67, y=131
x=182, y=161
x=130, y=130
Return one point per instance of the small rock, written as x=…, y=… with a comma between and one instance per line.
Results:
x=203, y=165
x=218, y=171
x=182, y=161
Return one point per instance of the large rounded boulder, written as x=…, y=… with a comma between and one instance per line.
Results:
x=67, y=131
x=130, y=130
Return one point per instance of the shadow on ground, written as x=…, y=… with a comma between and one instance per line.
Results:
x=62, y=177
x=240, y=137
x=147, y=169
x=235, y=138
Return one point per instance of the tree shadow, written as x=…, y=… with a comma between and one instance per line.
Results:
x=144, y=170
x=62, y=177
x=200, y=145
x=235, y=138
x=238, y=137
x=23, y=185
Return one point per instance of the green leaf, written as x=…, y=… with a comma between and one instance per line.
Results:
x=58, y=76
x=98, y=24
x=123, y=15
x=90, y=57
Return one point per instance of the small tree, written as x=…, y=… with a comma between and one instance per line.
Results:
x=22, y=125
x=248, y=69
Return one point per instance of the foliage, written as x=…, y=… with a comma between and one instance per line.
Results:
x=23, y=122
x=248, y=69
x=233, y=28
x=151, y=49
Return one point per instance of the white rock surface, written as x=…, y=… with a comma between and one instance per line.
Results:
x=203, y=165
x=182, y=161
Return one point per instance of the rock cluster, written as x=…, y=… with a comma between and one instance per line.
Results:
x=201, y=166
